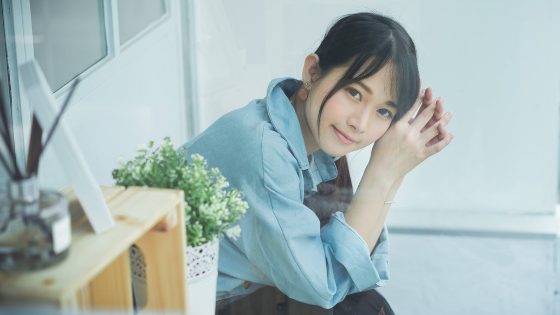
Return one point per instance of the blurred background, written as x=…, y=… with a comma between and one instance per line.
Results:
x=474, y=229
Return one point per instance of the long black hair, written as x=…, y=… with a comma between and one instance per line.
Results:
x=353, y=40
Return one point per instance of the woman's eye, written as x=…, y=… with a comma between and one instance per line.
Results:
x=355, y=94
x=389, y=114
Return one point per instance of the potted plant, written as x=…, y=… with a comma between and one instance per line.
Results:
x=209, y=211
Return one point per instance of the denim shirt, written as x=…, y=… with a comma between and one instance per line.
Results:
x=260, y=150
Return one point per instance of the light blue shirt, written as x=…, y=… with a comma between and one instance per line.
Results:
x=260, y=149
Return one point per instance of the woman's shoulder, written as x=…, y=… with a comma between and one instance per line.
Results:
x=238, y=123
x=240, y=134
x=245, y=119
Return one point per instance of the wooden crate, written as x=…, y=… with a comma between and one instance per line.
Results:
x=96, y=275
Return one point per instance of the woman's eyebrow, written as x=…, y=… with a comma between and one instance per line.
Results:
x=365, y=87
x=391, y=104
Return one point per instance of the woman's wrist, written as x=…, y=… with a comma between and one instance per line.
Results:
x=398, y=182
x=396, y=185
x=387, y=175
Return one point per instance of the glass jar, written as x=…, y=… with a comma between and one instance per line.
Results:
x=35, y=227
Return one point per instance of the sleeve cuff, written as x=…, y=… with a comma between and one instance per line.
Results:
x=367, y=270
x=380, y=257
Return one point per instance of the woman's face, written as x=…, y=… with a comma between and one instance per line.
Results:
x=360, y=110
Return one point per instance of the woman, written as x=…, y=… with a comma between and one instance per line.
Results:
x=360, y=86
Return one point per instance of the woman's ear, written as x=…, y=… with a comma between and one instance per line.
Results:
x=311, y=70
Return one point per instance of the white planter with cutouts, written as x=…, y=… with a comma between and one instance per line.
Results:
x=202, y=270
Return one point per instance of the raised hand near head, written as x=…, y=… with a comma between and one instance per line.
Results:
x=410, y=141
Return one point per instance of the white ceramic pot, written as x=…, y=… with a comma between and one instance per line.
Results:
x=202, y=269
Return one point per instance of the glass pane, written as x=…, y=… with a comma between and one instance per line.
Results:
x=68, y=37
x=136, y=15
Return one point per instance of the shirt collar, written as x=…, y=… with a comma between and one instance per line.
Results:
x=284, y=119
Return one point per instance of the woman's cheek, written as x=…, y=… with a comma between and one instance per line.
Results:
x=337, y=105
x=379, y=131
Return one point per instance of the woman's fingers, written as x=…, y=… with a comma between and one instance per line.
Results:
x=438, y=128
x=408, y=116
x=422, y=118
x=440, y=145
x=426, y=101
x=438, y=113
x=442, y=133
x=428, y=95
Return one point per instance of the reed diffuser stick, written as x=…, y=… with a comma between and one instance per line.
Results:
x=35, y=144
x=35, y=163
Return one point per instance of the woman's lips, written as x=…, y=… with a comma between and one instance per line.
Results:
x=342, y=137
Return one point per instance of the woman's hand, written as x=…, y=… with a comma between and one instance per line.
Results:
x=438, y=113
x=408, y=142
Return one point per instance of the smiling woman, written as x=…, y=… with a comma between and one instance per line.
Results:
x=360, y=86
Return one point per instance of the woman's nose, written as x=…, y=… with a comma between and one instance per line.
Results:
x=360, y=119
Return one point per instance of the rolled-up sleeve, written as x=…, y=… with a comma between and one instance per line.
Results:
x=380, y=257
x=348, y=247
x=283, y=239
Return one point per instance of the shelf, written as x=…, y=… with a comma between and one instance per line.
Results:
x=96, y=274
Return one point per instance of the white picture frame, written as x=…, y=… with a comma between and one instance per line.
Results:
x=87, y=190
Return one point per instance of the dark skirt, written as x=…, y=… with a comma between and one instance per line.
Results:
x=270, y=300
x=366, y=302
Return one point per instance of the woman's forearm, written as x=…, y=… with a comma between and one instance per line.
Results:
x=374, y=235
x=367, y=210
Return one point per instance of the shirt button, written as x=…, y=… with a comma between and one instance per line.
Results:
x=246, y=285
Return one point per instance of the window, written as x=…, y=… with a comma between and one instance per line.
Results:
x=68, y=37
x=136, y=15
